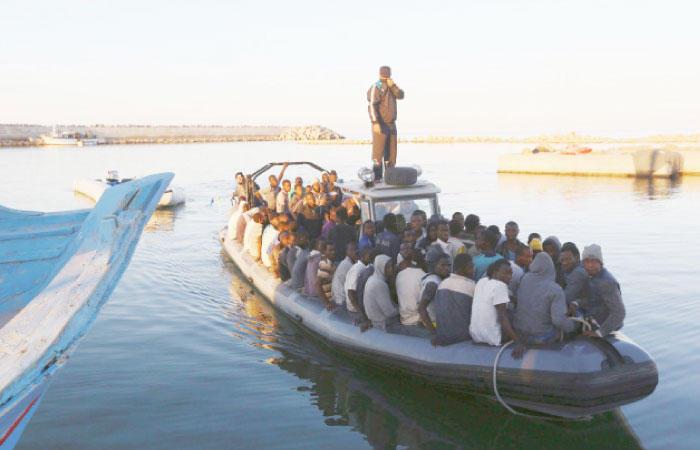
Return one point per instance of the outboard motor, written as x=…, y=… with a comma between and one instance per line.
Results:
x=112, y=177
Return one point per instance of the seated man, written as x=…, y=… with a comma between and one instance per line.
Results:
x=341, y=273
x=269, y=236
x=341, y=234
x=309, y=217
x=429, y=238
x=486, y=241
x=575, y=276
x=523, y=259
x=468, y=236
x=329, y=220
x=379, y=307
x=252, y=238
x=296, y=199
x=536, y=245
x=282, y=201
x=439, y=266
x=351, y=280
x=318, y=247
x=552, y=247
x=269, y=194
x=455, y=246
x=297, y=259
x=453, y=303
x=541, y=311
x=604, y=302
x=324, y=276
x=408, y=288
x=364, y=322
x=404, y=258
x=388, y=242
x=282, y=241
x=489, y=314
x=283, y=268
x=367, y=238
x=417, y=224
x=507, y=247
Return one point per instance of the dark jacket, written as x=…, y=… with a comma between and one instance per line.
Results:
x=382, y=102
x=502, y=250
x=388, y=244
x=310, y=220
x=340, y=235
x=604, y=303
x=284, y=271
x=576, y=284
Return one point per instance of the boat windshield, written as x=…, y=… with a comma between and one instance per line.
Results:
x=404, y=206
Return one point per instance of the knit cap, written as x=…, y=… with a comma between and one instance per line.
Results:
x=536, y=244
x=592, y=251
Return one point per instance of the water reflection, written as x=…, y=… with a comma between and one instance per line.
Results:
x=163, y=219
x=394, y=411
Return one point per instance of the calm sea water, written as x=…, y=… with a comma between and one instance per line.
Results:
x=185, y=355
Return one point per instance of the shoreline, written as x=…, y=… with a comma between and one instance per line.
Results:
x=28, y=136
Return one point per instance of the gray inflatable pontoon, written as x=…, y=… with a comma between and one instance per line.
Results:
x=573, y=379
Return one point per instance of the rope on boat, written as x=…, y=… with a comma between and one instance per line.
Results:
x=586, y=327
x=495, y=381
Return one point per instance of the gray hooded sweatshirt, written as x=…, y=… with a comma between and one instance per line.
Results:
x=541, y=302
x=378, y=304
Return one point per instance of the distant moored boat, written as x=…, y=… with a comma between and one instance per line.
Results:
x=79, y=138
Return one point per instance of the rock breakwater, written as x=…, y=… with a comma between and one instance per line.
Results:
x=309, y=133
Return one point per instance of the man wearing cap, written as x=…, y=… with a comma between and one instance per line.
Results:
x=604, y=302
x=382, y=97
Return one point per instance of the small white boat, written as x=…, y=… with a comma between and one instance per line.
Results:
x=56, y=271
x=79, y=138
x=173, y=195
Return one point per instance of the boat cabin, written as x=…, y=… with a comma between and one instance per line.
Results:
x=375, y=200
x=378, y=199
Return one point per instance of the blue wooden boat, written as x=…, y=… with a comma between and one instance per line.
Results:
x=56, y=271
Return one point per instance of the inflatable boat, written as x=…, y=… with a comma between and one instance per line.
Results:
x=572, y=379
x=56, y=271
x=173, y=195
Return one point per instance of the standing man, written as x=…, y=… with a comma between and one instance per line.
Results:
x=382, y=97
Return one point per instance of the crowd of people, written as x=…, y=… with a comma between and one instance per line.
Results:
x=449, y=280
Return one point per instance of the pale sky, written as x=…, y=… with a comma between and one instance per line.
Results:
x=466, y=66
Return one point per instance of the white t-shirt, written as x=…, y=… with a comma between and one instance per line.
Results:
x=351, y=282
x=233, y=222
x=339, y=277
x=268, y=237
x=282, y=202
x=485, y=326
x=250, y=239
x=408, y=289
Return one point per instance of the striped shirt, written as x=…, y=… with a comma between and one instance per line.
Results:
x=325, y=276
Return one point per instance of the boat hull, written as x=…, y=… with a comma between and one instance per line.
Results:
x=575, y=379
x=54, y=312
x=173, y=196
x=16, y=416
